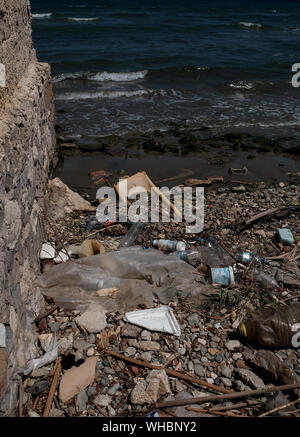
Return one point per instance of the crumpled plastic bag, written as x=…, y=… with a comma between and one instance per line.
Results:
x=51, y=349
x=135, y=274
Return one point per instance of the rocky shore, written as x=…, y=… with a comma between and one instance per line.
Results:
x=209, y=348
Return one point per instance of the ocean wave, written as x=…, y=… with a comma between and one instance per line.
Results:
x=67, y=76
x=103, y=95
x=82, y=19
x=255, y=25
x=119, y=77
x=103, y=76
x=242, y=85
x=46, y=15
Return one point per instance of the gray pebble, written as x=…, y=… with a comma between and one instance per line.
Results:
x=113, y=389
x=199, y=370
x=218, y=357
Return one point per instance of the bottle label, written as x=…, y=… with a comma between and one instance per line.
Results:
x=222, y=276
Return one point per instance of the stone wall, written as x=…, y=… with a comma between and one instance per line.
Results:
x=27, y=151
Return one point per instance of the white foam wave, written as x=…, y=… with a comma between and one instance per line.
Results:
x=46, y=15
x=103, y=77
x=103, y=95
x=244, y=24
x=242, y=85
x=119, y=77
x=65, y=76
x=82, y=19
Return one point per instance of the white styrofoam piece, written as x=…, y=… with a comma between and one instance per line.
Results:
x=47, y=252
x=62, y=257
x=160, y=319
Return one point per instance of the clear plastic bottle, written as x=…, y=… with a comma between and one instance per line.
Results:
x=221, y=255
x=170, y=245
x=132, y=234
x=265, y=279
x=247, y=257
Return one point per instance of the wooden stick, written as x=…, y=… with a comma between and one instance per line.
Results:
x=235, y=406
x=264, y=214
x=217, y=413
x=233, y=395
x=279, y=408
x=46, y=314
x=168, y=371
x=53, y=388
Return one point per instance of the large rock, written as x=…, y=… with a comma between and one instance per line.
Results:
x=250, y=378
x=150, y=390
x=93, y=320
x=149, y=345
x=62, y=200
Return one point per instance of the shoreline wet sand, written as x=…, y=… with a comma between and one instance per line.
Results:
x=171, y=157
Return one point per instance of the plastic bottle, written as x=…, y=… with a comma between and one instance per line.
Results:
x=170, y=245
x=222, y=257
x=265, y=279
x=247, y=257
x=132, y=234
x=274, y=326
x=191, y=256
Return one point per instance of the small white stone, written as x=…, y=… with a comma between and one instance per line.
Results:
x=90, y=352
x=62, y=257
x=231, y=345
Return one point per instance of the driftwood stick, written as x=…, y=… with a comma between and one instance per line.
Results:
x=168, y=371
x=216, y=412
x=246, y=404
x=279, y=408
x=264, y=214
x=233, y=395
x=52, y=388
x=46, y=314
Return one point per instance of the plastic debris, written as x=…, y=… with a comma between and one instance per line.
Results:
x=160, y=319
x=265, y=279
x=132, y=234
x=76, y=379
x=273, y=327
x=222, y=276
x=50, y=346
x=94, y=223
x=47, y=251
x=247, y=257
x=87, y=248
x=169, y=245
x=61, y=257
x=120, y=280
x=139, y=183
x=285, y=236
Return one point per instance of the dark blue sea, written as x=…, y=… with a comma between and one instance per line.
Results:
x=123, y=66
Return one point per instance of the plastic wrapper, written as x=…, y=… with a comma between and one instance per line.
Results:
x=51, y=354
x=133, y=273
x=274, y=326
